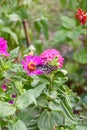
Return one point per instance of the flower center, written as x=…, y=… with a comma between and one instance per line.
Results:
x=31, y=66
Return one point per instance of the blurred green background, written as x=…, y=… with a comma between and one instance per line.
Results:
x=51, y=24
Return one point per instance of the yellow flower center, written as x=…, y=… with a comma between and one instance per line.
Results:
x=31, y=66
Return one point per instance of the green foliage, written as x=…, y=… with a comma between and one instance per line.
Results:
x=14, y=53
x=18, y=125
x=29, y=97
x=48, y=119
x=11, y=22
x=71, y=39
x=42, y=26
x=67, y=23
x=81, y=56
x=38, y=44
x=68, y=32
x=53, y=105
x=6, y=109
x=43, y=102
x=12, y=34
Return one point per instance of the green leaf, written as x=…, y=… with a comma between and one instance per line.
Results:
x=29, y=97
x=57, y=118
x=81, y=56
x=44, y=25
x=38, y=44
x=67, y=110
x=39, y=80
x=26, y=99
x=68, y=23
x=60, y=36
x=9, y=31
x=83, y=31
x=6, y=109
x=14, y=53
x=41, y=25
x=1, y=22
x=63, y=2
x=61, y=73
x=63, y=108
x=74, y=100
x=37, y=26
x=14, y=17
x=56, y=106
x=38, y=90
x=19, y=125
x=60, y=80
x=19, y=86
x=49, y=119
x=84, y=4
x=72, y=35
x=81, y=127
x=30, y=116
x=85, y=99
x=73, y=4
x=71, y=68
x=42, y=102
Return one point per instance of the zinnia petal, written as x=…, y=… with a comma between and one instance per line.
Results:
x=29, y=64
x=3, y=47
x=49, y=55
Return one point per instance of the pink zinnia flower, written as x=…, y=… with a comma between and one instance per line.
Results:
x=4, y=87
x=81, y=16
x=29, y=64
x=3, y=47
x=49, y=55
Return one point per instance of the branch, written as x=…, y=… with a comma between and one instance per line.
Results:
x=25, y=25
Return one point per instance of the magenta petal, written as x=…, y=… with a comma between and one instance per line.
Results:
x=48, y=55
x=36, y=60
x=3, y=47
x=11, y=102
x=13, y=96
x=4, y=87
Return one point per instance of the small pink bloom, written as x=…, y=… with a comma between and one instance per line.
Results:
x=49, y=55
x=29, y=64
x=3, y=47
x=4, y=87
x=13, y=96
x=11, y=102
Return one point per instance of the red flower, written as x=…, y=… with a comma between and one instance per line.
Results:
x=81, y=16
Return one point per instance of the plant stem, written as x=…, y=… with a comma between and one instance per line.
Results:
x=51, y=80
x=25, y=25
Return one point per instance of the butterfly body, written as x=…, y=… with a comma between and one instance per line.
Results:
x=46, y=69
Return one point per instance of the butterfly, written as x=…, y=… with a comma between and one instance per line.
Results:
x=46, y=69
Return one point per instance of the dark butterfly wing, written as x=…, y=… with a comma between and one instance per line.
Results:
x=46, y=69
